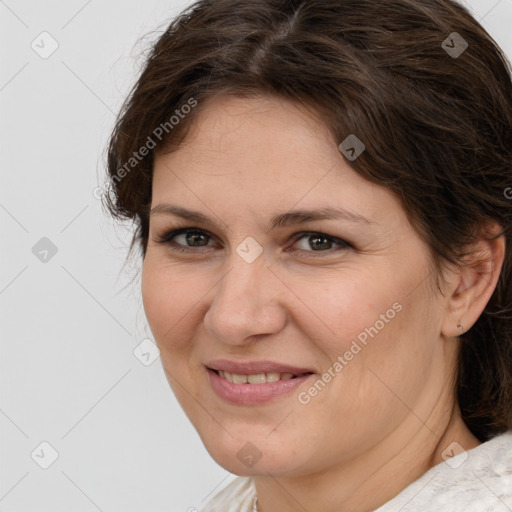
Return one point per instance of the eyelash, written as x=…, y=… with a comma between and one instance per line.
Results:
x=166, y=239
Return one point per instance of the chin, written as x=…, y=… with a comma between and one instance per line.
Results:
x=243, y=457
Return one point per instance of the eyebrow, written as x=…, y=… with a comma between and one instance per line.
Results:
x=281, y=220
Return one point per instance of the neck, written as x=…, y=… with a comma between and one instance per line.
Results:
x=375, y=476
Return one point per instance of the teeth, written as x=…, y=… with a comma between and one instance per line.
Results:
x=239, y=379
x=257, y=378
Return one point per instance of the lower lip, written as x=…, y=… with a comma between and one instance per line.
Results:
x=252, y=394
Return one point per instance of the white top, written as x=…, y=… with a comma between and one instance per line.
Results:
x=477, y=480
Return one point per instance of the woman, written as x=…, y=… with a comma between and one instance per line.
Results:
x=319, y=189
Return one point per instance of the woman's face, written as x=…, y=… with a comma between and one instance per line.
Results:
x=344, y=297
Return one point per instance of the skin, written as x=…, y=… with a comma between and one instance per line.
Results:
x=388, y=415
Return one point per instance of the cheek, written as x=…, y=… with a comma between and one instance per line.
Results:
x=347, y=306
x=169, y=300
x=373, y=322
x=386, y=339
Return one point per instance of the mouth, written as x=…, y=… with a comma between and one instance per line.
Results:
x=257, y=378
x=256, y=382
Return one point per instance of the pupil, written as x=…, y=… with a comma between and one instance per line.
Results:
x=324, y=245
x=195, y=236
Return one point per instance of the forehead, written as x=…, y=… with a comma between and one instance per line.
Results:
x=250, y=154
x=264, y=127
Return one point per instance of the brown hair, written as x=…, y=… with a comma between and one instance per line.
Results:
x=434, y=114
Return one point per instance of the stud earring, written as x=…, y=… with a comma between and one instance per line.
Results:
x=460, y=326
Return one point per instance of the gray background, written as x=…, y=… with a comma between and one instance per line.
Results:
x=70, y=321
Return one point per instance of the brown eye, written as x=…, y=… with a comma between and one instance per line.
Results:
x=319, y=242
x=185, y=238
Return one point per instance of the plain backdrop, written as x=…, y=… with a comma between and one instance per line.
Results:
x=86, y=422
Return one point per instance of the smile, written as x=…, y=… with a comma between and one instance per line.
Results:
x=254, y=388
x=256, y=378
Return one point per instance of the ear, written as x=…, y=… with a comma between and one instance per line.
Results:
x=473, y=284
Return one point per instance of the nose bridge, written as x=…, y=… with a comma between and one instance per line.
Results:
x=244, y=302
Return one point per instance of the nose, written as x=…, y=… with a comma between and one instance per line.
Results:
x=246, y=303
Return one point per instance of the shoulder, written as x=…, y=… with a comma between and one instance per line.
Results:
x=237, y=496
x=477, y=480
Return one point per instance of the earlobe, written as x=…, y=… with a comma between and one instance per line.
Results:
x=474, y=283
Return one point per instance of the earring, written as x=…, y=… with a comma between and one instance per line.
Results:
x=460, y=326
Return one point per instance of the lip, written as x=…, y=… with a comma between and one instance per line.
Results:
x=253, y=367
x=253, y=394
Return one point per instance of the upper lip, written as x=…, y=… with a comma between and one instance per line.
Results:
x=254, y=367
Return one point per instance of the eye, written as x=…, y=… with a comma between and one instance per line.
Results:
x=194, y=237
x=319, y=242
x=186, y=239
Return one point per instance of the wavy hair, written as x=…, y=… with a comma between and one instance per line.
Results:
x=421, y=83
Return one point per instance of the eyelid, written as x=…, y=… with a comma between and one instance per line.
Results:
x=338, y=241
x=165, y=239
